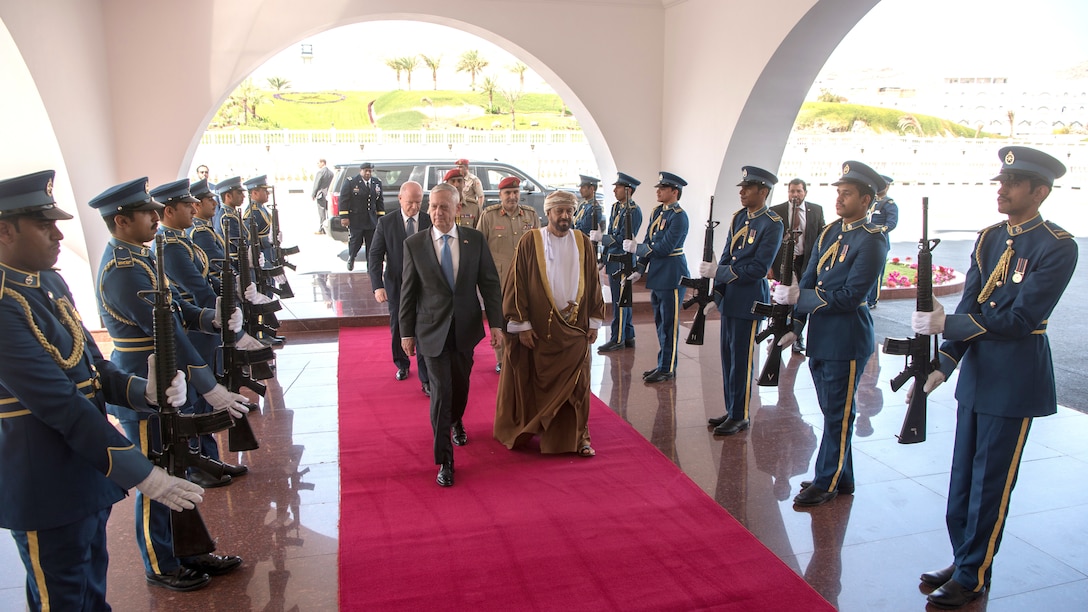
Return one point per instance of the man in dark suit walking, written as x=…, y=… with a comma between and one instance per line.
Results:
x=320, y=193
x=389, y=247
x=802, y=216
x=360, y=206
x=440, y=313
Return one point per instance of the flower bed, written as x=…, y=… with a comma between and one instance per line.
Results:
x=901, y=279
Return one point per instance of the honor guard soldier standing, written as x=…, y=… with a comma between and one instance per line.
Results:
x=884, y=212
x=740, y=280
x=127, y=268
x=503, y=225
x=661, y=257
x=361, y=204
x=231, y=197
x=623, y=328
x=62, y=463
x=258, y=196
x=203, y=233
x=843, y=265
x=1019, y=270
x=583, y=217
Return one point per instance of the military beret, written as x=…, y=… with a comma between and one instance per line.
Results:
x=452, y=174
x=751, y=175
x=1031, y=162
x=588, y=180
x=859, y=174
x=627, y=180
x=668, y=179
x=202, y=189
x=30, y=195
x=174, y=193
x=461, y=162
x=510, y=182
x=256, y=182
x=225, y=185
x=131, y=196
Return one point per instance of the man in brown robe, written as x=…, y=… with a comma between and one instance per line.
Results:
x=553, y=303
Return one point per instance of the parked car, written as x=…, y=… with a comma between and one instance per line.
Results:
x=429, y=173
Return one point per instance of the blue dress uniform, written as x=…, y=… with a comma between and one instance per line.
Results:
x=740, y=281
x=125, y=270
x=885, y=212
x=204, y=236
x=233, y=183
x=997, y=337
x=842, y=266
x=263, y=217
x=662, y=258
x=623, y=327
x=583, y=217
x=62, y=464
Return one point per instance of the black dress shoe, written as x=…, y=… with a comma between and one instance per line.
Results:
x=629, y=343
x=402, y=373
x=811, y=496
x=610, y=346
x=648, y=373
x=498, y=368
x=212, y=564
x=426, y=389
x=731, y=427
x=207, y=481
x=660, y=376
x=234, y=471
x=181, y=579
x=938, y=577
x=715, y=421
x=445, y=475
x=460, y=438
x=848, y=489
x=953, y=595
x=351, y=263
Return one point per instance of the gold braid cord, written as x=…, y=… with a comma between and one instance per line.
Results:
x=828, y=255
x=999, y=273
x=68, y=317
x=738, y=237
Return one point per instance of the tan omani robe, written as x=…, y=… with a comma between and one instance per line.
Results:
x=545, y=391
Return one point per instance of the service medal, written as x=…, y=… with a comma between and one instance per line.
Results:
x=751, y=236
x=1021, y=269
x=1017, y=277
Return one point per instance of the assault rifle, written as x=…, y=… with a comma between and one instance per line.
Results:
x=279, y=254
x=266, y=278
x=240, y=436
x=595, y=218
x=703, y=287
x=260, y=319
x=625, y=259
x=190, y=535
x=920, y=362
x=779, y=322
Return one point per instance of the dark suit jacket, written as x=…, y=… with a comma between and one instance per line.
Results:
x=361, y=204
x=814, y=222
x=427, y=304
x=388, y=245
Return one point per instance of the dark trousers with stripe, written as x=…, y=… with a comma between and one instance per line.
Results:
x=738, y=347
x=208, y=347
x=623, y=328
x=836, y=389
x=66, y=566
x=666, y=305
x=985, y=464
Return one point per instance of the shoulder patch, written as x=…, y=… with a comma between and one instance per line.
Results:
x=773, y=215
x=1057, y=231
x=492, y=207
x=872, y=228
x=994, y=226
x=122, y=257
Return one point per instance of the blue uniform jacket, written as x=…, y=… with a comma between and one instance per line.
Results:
x=127, y=269
x=612, y=242
x=842, y=267
x=661, y=254
x=885, y=212
x=583, y=217
x=741, y=280
x=235, y=224
x=1000, y=344
x=60, y=459
x=264, y=228
x=203, y=235
x=187, y=268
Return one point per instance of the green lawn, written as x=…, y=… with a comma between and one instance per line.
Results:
x=838, y=117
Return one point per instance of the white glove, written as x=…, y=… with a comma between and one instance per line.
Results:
x=787, y=340
x=254, y=297
x=234, y=403
x=709, y=308
x=246, y=342
x=174, y=493
x=786, y=294
x=260, y=260
x=708, y=269
x=635, y=276
x=928, y=323
x=595, y=235
x=935, y=379
x=176, y=394
x=630, y=246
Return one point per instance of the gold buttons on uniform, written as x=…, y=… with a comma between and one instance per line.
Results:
x=993, y=304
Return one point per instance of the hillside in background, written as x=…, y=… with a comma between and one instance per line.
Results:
x=834, y=117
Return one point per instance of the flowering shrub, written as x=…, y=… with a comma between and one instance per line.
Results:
x=905, y=273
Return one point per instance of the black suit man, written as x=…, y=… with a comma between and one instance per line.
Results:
x=809, y=224
x=361, y=204
x=388, y=247
x=442, y=315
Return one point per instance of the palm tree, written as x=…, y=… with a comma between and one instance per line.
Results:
x=512, y=97
x=519, y=69
x=489, y=87
x=409, y=63
x=472, y=63
x=433, y=63
x=278, y=83
x=397, y=64
x=247, y=96
x=1012, y=123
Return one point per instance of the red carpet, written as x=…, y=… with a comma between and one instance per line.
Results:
x=625, y=530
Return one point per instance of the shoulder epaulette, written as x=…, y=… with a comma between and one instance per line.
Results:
x=122, y=257
x=677, y=208
x=171, y=239
x=994, y=226
x=524, y=207
x=773, y=215
x=873, y=228
x=739, y=211
x=492, y=207
x=1057, y=231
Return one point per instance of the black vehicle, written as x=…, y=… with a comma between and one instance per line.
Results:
x=429, y=173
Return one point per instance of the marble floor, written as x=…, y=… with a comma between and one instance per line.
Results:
x=862, y=552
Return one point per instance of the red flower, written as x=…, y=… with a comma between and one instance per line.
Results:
x=895, y=260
